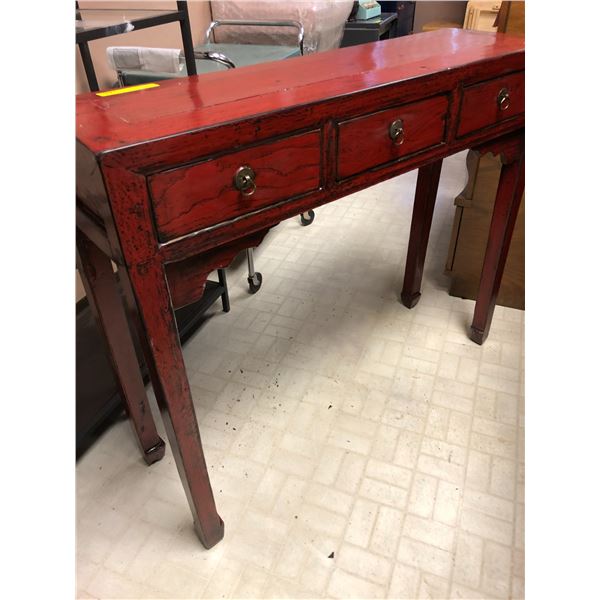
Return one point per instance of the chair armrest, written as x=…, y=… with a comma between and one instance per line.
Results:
x=216, y=56
x=295, y=24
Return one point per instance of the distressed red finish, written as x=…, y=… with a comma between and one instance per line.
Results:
x=480, y=102
x=199, y=195
x=423, y=126
x=104, y=299
x=427, y=185
x=504, y=217
x=156, y=192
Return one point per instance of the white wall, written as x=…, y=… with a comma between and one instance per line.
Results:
x=438, y=11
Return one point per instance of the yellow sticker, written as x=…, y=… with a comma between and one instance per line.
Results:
x=126, y=90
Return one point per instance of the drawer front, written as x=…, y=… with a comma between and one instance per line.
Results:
x=189, y=198
x=490, y=102
x=390, y=135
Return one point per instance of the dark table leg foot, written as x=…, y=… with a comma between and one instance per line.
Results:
x=477, y=335
x=427, y=186
x=155, y=453
x=504, y=216
x=150, y=305
x=213, y=536
x=410, y=300
x=105, y=301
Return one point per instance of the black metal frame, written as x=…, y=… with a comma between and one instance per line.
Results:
x=181, y=14
x=362, y=31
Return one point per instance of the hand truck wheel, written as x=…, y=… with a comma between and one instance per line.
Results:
x=254, y=283
x=307, y=218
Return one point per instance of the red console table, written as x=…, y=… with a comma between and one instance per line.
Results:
x=173, y=181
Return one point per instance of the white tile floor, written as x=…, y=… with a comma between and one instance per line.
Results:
x=334, y=420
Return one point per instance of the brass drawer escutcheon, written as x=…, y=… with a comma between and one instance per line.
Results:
x=244, y=180
x=397, y=132
x=503, y=99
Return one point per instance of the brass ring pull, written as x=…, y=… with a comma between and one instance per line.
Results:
x=397, y=132
x=503, y=99
x=244, y=180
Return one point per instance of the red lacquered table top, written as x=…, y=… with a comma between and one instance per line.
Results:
x=184, y=104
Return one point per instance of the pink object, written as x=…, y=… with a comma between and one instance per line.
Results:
x=323, y=22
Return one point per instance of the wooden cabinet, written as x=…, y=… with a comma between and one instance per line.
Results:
x=481, y=15
x=511, y=18
x=472, y=219
x=363, y=31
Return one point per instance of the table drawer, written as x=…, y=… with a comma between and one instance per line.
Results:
x=490, y=102
x=390, y=135
x=189, y=198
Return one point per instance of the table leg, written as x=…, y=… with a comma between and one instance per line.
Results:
x=426, y=192
x=149, y=301
x=103, y=296
x=504, y=216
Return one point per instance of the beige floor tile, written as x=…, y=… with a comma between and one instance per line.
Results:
x=425, y=556
x=405, y=582
x=468, y=560
x=346, y=585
